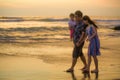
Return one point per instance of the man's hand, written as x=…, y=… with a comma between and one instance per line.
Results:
x=78, y=44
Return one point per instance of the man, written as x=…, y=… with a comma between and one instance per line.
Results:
x=78, y=37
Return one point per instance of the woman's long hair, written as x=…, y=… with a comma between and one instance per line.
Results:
x=89, y=21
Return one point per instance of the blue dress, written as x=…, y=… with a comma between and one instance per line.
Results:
x=94, y=45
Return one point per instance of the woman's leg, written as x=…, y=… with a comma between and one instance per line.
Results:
x=96, y=63
x=88, y=65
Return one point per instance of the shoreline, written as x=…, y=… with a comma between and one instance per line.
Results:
x=48, y=61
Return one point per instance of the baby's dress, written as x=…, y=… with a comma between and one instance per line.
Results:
x=94, y=45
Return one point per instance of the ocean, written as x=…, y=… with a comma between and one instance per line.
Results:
x=35, y=48
x=37, y=29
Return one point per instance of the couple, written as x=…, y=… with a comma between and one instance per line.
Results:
x=84, y=29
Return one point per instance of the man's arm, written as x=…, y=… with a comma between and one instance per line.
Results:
x=81, y=39
x=85, y=36
x=82, y=36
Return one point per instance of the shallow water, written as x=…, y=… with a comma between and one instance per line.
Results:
x=35, y=50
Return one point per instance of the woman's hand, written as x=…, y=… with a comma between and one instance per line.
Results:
x=88, y=39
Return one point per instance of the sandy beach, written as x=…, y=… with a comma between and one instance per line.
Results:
x=36, y=39
x=41, y=50
x=48, y=61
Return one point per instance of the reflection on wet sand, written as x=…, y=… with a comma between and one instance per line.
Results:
x=85, y=76
x=73, y=76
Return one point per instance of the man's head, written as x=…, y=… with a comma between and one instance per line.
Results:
x=78, y=15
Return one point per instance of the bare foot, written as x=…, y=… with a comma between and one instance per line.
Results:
x=94, y=71
x=86, y=70
x=69, y=70
x=83, y=68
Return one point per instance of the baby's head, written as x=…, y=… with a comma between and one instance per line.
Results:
x=72, y=16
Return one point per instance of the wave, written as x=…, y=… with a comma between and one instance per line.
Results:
x=13, y=20
x=53, y=20
x=33, y=34
x=106, y=20
x=33, y=29
x=19, y=19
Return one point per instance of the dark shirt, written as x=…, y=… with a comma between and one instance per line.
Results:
x=78, y=31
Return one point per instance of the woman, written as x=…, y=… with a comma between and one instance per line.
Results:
x=94, y=43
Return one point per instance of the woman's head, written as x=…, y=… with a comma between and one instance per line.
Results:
x=72, y=16
x=87, y=20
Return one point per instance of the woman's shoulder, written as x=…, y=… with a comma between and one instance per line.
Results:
x=92, y=26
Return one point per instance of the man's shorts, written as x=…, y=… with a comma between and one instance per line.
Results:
x=78, y=51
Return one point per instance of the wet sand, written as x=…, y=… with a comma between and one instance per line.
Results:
x=48, y=59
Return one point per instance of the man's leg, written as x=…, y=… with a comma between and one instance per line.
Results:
x=74, y=60
x=82, y=57
x=84, y=61
x=71, y=69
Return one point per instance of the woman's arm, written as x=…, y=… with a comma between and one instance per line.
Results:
x=94, y=33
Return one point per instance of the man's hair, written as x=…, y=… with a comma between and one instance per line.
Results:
x=78, y=13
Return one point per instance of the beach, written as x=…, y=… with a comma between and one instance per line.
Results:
x=45, y=66
x=44, y=53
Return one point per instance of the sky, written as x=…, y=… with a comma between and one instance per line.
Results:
x=59, y=7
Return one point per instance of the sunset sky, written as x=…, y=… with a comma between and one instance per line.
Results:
x=59, y=7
